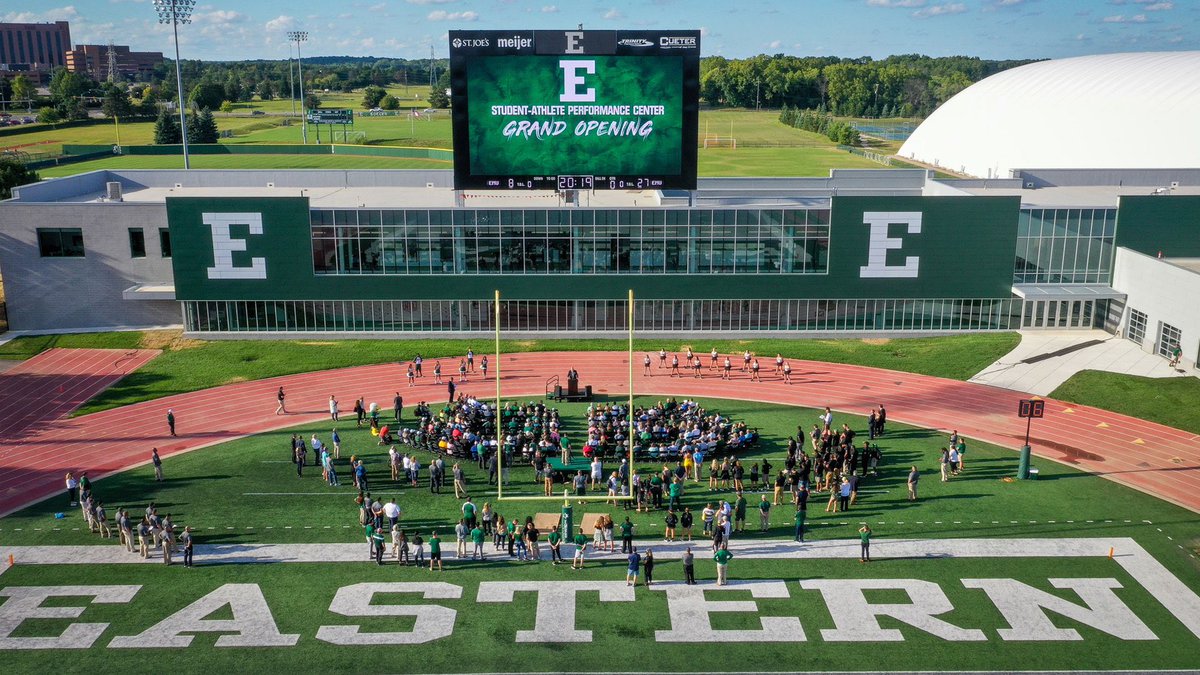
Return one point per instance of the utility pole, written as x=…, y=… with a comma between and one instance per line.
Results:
x=299, y=36
x=176, y=12
x=757, y=89
x=291, y=80
x=432, y=71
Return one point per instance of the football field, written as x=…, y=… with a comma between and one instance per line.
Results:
x=1068, y=572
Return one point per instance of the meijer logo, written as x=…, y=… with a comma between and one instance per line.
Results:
x=224, y=246
x=514, y=42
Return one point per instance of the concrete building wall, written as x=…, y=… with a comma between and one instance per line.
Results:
x=71, y=293
x=1165, y=293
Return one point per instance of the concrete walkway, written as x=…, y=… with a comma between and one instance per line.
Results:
x=1042, y=376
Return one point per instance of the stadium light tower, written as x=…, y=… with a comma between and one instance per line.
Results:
x=176, y=12
x=299, y=36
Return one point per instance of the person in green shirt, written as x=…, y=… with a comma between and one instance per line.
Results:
x=764, y=513
x=739, y=513
x=801, y=514
x=581, y=542
x=627, y=536
x=722, y=558
x=864, y=534
x=435, y=551
x=477, y=540
x=555, y=540
x=675, y=490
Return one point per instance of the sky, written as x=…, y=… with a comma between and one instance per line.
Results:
x=991, y=29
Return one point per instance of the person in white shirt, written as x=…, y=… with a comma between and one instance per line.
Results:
x=597, y=472
x=392, y=511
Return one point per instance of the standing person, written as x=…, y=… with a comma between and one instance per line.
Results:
x=477, y=541
x=689, y=567
x=435, y=551
x=337, y=444
x=460, y=536
x=411, y=376
x=800, y=516
x=662, y=358
x=333, y=408
x=483, y=366
x=72, y=490
x=913, y=478
x=746, y=360
x=635, y=562
x=648, y=566
x=722, y=558
x=943, y=462
x=787, y=372
x=626, y=536
x=171, y=420
x=462, y=371
x=555, y=540
x=437, y=372
x=646, y=367
x=450, y=388
x=398, y=406
x=864, y=534
x=685, y=521
x=301, y=454
x=712, y=359
x=280, y=409
x=674, y=365
x=739, y=512
x=417, y=361
x=778, y=363
x=844, y=494
x=764, y=514
x=872, y=425
x=360, y=412
x=727, y=369
x=418, y=546
x=580, y=546
x=754, y=372
x=460, y=481
x=880, y=420
x=671, y=520
x=471, y=359
x=154, y=459
x=188, y=543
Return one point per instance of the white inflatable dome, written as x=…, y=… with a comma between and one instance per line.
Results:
x=1111, y=111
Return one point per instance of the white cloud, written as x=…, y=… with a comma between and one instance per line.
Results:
x=379, y=7
x=1160, y=7
x=280, y=23
x=775, y=44
x=1121, y=18
x=549, y=9
x=68, y=13
x=941, y=10
x=429, y=2
x=442, y=15
x=896, y=3
x=613, y=14
x=368, y=43
x=220, y=17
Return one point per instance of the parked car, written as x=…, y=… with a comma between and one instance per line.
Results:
x=257, y=113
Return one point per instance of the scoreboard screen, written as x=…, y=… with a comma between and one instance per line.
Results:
x=546, y=110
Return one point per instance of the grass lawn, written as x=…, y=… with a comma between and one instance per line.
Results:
x=245, y=162
x=192, y=364
x=799, y=161
x=205, y=489
x=1170, y=401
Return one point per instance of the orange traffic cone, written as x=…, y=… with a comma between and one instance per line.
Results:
x=1110, y=551
x=11, y=562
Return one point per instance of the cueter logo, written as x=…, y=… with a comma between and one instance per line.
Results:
x=677, y=42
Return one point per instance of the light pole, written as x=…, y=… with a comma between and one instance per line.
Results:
x=299, y=36
x=757, y=85
x=291, y=80
x=176, y=12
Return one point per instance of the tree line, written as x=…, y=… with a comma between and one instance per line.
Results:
x=906, y=85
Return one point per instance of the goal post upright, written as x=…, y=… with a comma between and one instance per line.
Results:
x=629, y=412
x=499, y=416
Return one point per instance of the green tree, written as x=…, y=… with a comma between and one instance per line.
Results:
x=166, y=129
x=372, y=96
x=266, y=90
x=202, y=128
x=65, y=85
x=22, y=88
x=14, y=173
x=48, y=115
x=226, y=106
x=149, y=103
x=390, y=102
x=206, y=95
x=116, y=102
x=233, y=88
x=311, y=101
x=5, y=89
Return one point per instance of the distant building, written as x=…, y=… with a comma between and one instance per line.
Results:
x=34, y=47
x=92, y=60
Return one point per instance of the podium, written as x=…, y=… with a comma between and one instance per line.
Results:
x=572, y=387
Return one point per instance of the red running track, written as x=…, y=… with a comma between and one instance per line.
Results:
x=1159, y=460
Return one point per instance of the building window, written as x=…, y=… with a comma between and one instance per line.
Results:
x=60, y=242
x=164, y=241
x=1168, y=337
x=137, y=243
x=1136, y=332
x=1065, y=246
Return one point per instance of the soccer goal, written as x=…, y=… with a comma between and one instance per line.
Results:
x=720, y=142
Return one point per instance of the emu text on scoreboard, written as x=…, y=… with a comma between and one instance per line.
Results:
x=574, y=109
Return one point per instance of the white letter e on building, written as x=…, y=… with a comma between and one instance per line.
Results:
x=224, y=246
x=881, y=243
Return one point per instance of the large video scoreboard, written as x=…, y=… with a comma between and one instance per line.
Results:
x=605, y=110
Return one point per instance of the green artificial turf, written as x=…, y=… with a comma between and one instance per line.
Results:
x=198, y=365
x=205, y=489
x=208, y=490
x=623, y=633
x=1170, y=401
